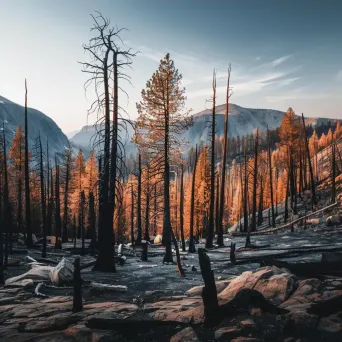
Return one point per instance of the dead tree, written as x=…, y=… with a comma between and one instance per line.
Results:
x=179, y=263
x=50, y=205
x=245, y=196
x=58, y=223
x=92, y=222
x=260, y=206
x=209, y=240
x=255, y=180
x=66, y=194
x=192, y=248
x=82, y=204
x=29, y=241
x=209, y=292
x=181, y=208
x=333, y=173
x=139, y=220
x=217, y=204
x=132, y=216
x=270, y=174
x=106, y=65
x=77, y=305
x=42, y=197
x=312, y=180
x=147, y=209
x=224, y=162
x=2, y=223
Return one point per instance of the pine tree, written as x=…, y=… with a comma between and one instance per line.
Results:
x=161, y=120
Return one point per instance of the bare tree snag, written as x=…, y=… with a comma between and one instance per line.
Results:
x=192, y=248
x=29, y=241
x=209, y=292
x=270, y=174
x=181, y=208
x=224, y=162
x=77, y=305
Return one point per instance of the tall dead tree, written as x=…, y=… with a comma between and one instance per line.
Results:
x=2, y=280
x=29, y=241
x=270, y=175
x=312, y=180
x=139, y=219
x=333, y=172
x=132, y=216
x=224, y=162
x=192, y=248
x=92, y=222
x=147, y=207
x=82, y=205
x=245, y=192
x=42, y=197
x=209, y=240
x=181, y=208
x=67, y=166
x=58, y=223
x=255, y=180
x=106, y=65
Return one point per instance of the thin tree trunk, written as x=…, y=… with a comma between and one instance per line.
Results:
x=132, y=216
x=217, y=205
x=224, y=162
x=29, y=241
x=92, y=221
x=255, y=179
x=209, y=240
x=270, y=174
x=66, y=193
x=58, y=223
x=42, y=198
x=314, y=201
x=333, y=173
x=147, y=210
x=181, y=208
x=139, y=219
x=192, y=248
x=245, y=196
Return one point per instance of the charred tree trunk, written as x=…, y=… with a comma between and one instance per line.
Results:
x=192, y=248
x=333, y=173
x=224, y=162
x=66, y=199
x=20, y=193
x=181, y=209
x=166, y=241
x=312, y=180
x=42, y=198
x=50, y=207
x=29, y=241
x=286, y=213
x=147, y=212
x=217, y=205
x=7, y=208
x=179, y=263
x=245, y=196
x=132, y=216
x=209, y=240
x=261, y=200
x=271, y=176
x=82, y=203
x=58, y=223
x=139, y=219
x=92, y=222
x=255, y=179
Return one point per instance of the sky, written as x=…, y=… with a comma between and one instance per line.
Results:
x=283, y=53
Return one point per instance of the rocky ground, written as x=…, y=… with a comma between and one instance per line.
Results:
x=161, y=306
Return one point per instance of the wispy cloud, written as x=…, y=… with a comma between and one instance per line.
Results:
x=339, y=75
x=280, y=60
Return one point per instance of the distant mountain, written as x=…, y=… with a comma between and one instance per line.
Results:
x=89, y=136
x=242, y=121
x=12, y=115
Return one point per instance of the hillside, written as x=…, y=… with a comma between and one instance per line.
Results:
x=12, y=115
x=242, y=121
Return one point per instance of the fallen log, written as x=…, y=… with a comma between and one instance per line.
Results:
x=308, y=269
x=98, y=287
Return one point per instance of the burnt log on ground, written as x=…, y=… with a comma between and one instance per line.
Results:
x=308, y=269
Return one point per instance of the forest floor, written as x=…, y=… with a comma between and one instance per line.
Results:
x=156, y=293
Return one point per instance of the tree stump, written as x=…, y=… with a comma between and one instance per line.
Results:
x=232, y=253
x=144, y=250
x=209, y=292
x=77, y=298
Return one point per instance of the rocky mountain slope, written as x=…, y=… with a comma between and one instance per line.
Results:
x=242, y=121
x=12, y=115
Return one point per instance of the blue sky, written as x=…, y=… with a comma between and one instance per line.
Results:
x=283, y=53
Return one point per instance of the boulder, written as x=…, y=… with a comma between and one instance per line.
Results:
x=275, y=284
x=333, y=220
x=227, y=333
x=158, y=239
x=63, y=273
x=185, y=335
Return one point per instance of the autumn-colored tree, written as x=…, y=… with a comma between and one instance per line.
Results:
x=161, y=121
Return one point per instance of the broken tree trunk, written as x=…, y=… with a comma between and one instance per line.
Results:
x=179, y=264
x=209, y=292
x=77, y=297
